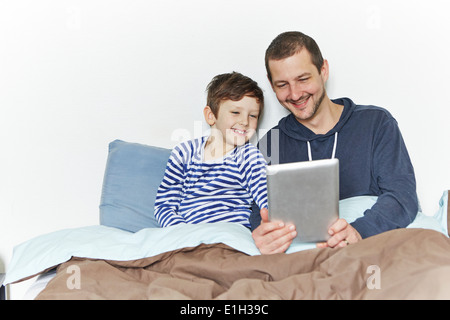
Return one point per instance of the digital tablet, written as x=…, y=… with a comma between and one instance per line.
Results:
x=305, y=194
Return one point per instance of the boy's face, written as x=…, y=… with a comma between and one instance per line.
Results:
x=236, y=121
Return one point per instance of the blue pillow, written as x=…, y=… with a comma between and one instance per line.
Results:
x=132, y=177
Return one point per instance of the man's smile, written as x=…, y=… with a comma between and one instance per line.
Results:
x=300, y=103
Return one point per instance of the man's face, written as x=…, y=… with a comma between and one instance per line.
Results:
x=298, y=85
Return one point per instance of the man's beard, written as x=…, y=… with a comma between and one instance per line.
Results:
x=315, y=108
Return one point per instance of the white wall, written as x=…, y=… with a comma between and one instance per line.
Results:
x=75, y=75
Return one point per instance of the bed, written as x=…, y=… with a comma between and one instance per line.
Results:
x=128, y=256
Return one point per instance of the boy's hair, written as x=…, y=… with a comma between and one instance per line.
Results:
x=289, y=43
x=232, y=86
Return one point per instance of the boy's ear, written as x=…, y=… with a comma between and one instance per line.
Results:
x=209, y=116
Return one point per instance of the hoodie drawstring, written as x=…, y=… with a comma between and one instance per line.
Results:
x=333, y=155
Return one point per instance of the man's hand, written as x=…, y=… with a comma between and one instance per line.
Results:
x=342, y=234
x=273, y=236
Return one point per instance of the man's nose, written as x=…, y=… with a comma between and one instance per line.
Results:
x=296, y=92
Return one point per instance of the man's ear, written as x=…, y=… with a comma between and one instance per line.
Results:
x=210, y=118
x=325, y=71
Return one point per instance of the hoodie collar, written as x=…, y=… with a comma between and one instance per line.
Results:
x=294, y=129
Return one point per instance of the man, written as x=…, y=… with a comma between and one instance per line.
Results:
x=372, y=155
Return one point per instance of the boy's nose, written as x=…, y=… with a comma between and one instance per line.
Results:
x=244, y=121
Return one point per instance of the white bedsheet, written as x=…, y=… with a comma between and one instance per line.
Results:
x=39, y=285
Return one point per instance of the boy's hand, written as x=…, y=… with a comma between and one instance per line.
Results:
x=273, y=236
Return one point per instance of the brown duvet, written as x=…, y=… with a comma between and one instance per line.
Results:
x=399, y=264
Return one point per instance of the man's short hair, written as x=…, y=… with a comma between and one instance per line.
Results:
x=289, y=43
x=232, y=86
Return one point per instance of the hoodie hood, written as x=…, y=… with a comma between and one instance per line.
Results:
x=294, y=129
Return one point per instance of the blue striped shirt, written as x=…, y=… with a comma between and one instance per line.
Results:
x=198, y=191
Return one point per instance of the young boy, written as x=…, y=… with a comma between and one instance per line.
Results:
x=217, y=177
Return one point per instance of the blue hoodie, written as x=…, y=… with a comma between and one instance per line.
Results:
x=373, y=160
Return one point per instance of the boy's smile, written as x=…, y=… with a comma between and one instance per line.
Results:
x=241, y=132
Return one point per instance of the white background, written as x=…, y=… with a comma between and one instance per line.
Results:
x=75, y=75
